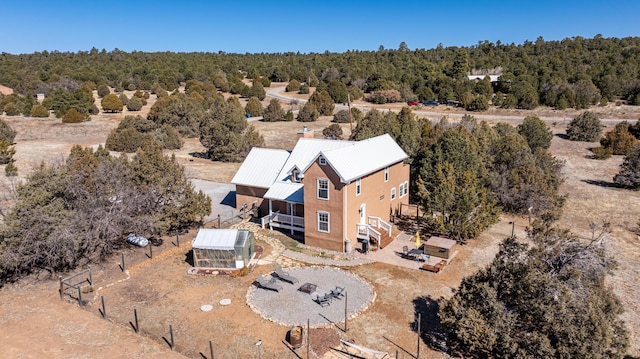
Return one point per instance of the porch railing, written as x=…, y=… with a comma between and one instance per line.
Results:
x=365, y=231
x=377, y=222
x=279, y=220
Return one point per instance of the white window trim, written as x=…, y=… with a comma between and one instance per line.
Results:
x=358, y=186
x=318, y=188
x=328, y=222
x=404, y=189
x=386, y=174
x=322, y=161
x=393, y=193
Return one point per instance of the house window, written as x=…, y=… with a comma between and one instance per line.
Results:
x=296, y=176
x=322, y=161
x=323, y=222
x=386, y=174
x=358, y=186
x=323, y=188
x=393, y=193
x=404, y=189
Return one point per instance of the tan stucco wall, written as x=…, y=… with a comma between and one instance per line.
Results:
x=334, y=240
x=376, y=194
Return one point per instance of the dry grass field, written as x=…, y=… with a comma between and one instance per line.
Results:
x=35, y=323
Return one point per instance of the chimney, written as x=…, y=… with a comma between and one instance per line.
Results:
x=305, y=133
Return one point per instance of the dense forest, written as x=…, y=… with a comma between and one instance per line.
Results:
x=574, y=72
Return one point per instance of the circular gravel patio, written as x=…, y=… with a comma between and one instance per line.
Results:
x=292, y=307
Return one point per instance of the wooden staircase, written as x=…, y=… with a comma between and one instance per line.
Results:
x=385, y=239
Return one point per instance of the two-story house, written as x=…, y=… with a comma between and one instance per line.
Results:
x=335, y=192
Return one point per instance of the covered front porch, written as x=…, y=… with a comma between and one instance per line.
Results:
x=286, y=209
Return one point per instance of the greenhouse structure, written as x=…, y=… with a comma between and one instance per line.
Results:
x=222, y=248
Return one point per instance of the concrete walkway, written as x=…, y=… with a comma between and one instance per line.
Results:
x=391, y=254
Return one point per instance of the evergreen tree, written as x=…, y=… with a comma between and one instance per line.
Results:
x=525, y=303
x=273, y=112
x=629, y=175
x=535, y=132
x=585, y=127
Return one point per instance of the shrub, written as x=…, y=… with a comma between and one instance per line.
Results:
x=304, y=89
x=323, y=102
x=341, y=116
x=585, y=127
x=536, y=132
x=73, y=116
x=7, y=133
x=133, y=131
x=601, y=153
x=274, y=111
x=39, y=111
x=134, y=104
x=629, y=175
x=124, y=99
x=7, y=150
x=308, y=113
x=385, y=96
x=103, y=90
x=288, y=116
x=254, y=107
x=332, y=132
x=12, y=109
x=10, y=170
x=619, y=140
x=294, y=85
x=111, y=103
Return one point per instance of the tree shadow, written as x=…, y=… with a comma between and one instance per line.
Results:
x=601, y=183
x=431, y=332
x=198, y=154
x=562, y=136
x=188, y=258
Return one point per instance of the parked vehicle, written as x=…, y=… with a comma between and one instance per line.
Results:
x=431, y=103
x=413, y=103
x=453, y=103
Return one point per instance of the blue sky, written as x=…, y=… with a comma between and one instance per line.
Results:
x=304, y=26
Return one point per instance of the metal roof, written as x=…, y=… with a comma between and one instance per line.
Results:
x=364, y=157
x=286, y=191
x=261, y=167
x=306, y=150
x=211, y=238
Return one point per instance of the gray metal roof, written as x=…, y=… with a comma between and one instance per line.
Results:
x=286, y=191
x=211, y=238
x=261, y=167
x=306, y=150
x=364, y=157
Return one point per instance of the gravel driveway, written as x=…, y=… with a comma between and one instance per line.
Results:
x=292, y=307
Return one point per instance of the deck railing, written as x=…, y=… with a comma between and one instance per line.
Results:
x=279, y=220
x=377, y=222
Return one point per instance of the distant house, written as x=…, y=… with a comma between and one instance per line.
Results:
x=335, y=192
x=492, y=78
x=40, y=97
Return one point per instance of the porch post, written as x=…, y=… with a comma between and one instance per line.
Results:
x=270, y=213
x=291, y=211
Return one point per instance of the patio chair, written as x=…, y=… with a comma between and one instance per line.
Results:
x=337, y=293
x=285, y=276
x=405, y=251
x=266, y=284
x=324, y=300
